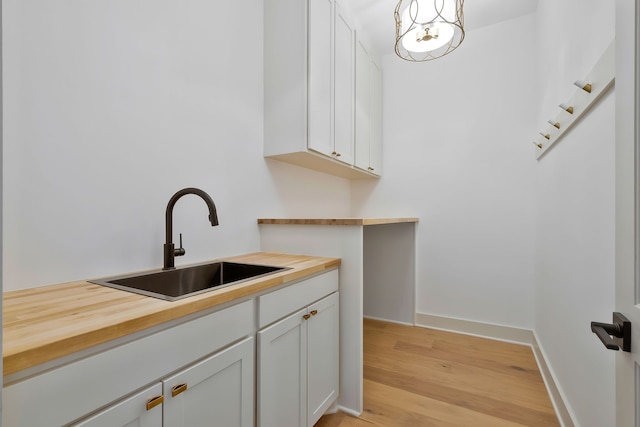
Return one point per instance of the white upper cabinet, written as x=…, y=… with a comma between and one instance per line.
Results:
x=320, y=76
x=375, y=122
x=368, y=119
x=362, y=106
x=343, y=88
x=310, y=86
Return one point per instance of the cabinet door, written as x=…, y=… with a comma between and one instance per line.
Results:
x=362, y=137
x=320, y=68
x=323, y=356
x=375, y=118
x=282, y=366
x=368, y=120
x=130, y=412
x=216, y=391
x=344, y=46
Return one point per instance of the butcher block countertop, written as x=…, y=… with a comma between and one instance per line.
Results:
x=44, y=323
x=334, y=221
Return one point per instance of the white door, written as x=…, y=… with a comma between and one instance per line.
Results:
x=217, y=391
x=627, y=213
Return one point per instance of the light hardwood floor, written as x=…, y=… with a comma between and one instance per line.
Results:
x=418, y=377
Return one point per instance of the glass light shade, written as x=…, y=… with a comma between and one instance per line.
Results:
x=428, y=29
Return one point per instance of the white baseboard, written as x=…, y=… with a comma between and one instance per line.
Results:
x=388, y=320
x=566, y=420
x=507, y=334
x=468, y=327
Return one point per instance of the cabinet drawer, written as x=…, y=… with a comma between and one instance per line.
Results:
x=129, y=412
x=69, y=392
x=278, y=304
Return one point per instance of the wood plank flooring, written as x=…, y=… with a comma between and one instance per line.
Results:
x=418, y=377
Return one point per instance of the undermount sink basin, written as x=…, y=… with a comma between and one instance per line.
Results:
x=184, y=282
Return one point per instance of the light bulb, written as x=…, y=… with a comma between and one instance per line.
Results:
x=428, y=38
x=425, y=27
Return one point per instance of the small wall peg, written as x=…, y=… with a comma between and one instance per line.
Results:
x=567, y=108
x=583, y=85
x=588, y=91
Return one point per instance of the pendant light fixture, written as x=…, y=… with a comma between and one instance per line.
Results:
x=428, y=29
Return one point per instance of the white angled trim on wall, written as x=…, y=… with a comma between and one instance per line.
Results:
x=586, y=95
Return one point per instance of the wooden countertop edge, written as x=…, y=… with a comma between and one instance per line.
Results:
x=335, y=221
x=158, y=312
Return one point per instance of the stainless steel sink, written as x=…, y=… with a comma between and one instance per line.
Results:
x=184, y=282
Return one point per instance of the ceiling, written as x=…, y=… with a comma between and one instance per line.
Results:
x=375, y=17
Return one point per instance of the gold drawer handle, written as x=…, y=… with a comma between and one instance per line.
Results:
x=306, y=316
x=314, y=312
x=338, y=154
x=154, y=401
x=177, y=389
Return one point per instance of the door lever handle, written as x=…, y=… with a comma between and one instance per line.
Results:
x=614, y=335
x=604, y=332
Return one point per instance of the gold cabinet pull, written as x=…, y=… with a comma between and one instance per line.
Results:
x=154, y=401
x=177, y=389
x=370, y=168
x=338, y=154
x=314, y=312
x=334, y=153
x=306, y=316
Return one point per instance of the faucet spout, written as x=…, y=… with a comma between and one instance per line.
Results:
x=170, y=252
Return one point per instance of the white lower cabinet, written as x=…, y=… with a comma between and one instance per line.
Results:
x=322, y=357
x=282, y=380
x=201, y=372
x=217, y=391
x=298, y=374
x=72, y=393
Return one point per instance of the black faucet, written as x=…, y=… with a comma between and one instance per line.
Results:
x=170, y=252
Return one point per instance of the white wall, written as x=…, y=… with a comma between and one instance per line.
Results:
x=111, y=107
x=575, y=212
x=503, y=238
x=457, y=154
x=388, y=279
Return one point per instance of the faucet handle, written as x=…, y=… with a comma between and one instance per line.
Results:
x=180, y=251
